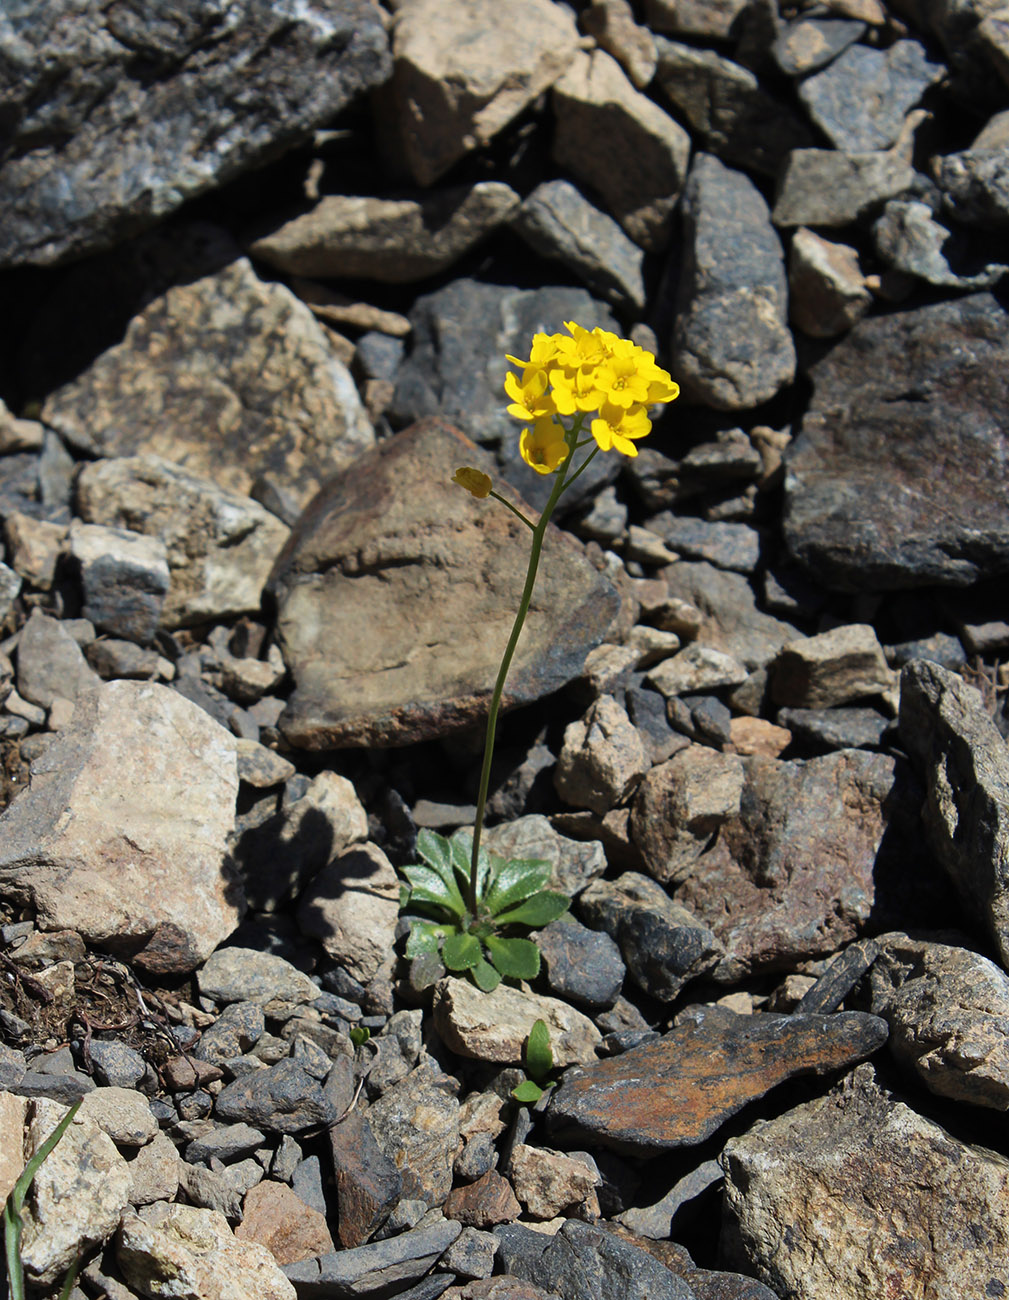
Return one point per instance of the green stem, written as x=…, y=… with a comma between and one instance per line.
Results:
x=539, y=533
x=514, y=509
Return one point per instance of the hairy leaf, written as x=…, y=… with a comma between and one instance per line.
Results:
x=517, y=879
x=485, y=977
x=426, y=936
x=427, y=886
x=539, y=1053
x=528, y=1092
x=461, y=951
x=516, y=958
x=537, y=911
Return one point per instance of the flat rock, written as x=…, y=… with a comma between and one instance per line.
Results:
x=953, y=741
x=825, y=187
x=620, y=144
x=282, y=1098
x=729, y=618
x=581, y=965
x=51, y=665
x=104, y=174
x=394, y=241
x=278, y=1219
x=707, y=19
x=244, y=975
x=836, y=667
x=731, y=344
x=463, y=70
x=368, y=1184
x=798, y=872
x=122, y=833
x=180, y=1251
x=860, y=101
x=899, y=395
x=679, y=1090
x=495, y=1026
x=379, y=1268
x=808, y=43
x=397, y=593
x=559, y=223
x=734, y=116
x=575, y=863
x=810, y=1189
x=227, y=376
x=416, y=1126
x=948, y=1012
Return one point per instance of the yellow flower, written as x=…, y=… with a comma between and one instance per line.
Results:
x=543, y=446
x=616, y=428
x=475, y=481
x=530, y=400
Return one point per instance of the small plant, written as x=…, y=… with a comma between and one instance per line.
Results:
x=539, y=1061
x=359, y=1035
x=480, y=940
x=468, y=902
x=13, y=1222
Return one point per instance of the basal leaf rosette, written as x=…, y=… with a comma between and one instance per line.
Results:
x=489, y=944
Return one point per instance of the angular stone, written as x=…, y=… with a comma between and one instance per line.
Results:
x=380, y=1268
x=975, y=183
x=471, y=1254
x=832, y=668
x=416, y=1125
x=965, y=764
x=495, y=1026
x=734, y=116
x=619, y=143
x=181, y=1251
x=51, y=664
x=860, y=101
x=227, y=1143
x=149, y=782
x=120, y=176
x=485, y=1203
x=154, y=1172
x=352, y=907
x=229, y=375
x=911, y=241
x=550, y=1184
x=282, y=1098
x=731, y=344
x=801, y=869
x=695, y=668
x=245, y=975
x=398, y=590
x=680, y=807
x=35, y=547
x=602, y=758
x=662, y=943
x=463, y=71
x=281, y=1221
x=612, y=24
x=835, y=728
x=393, y=241
x=575, y=863
x=559, y=223
x=809, y=43
x=368, y=1184
x=581, y=965
x=708, y=19
x=124, y=577
x=77, y=1196
x=827, y=291
x=865, y=511
x=922, y=1197
x=824, y=187
x=122, y=1113
x=679, y=1090
x=726, y=545
x=729, y=619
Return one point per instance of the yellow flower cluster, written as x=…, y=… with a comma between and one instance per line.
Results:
x=593, y=370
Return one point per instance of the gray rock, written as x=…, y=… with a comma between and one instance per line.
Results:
x=825, y=187
x=602, y=758
x=370, y=598
x=575, y=863
x=394, y=241
x=870, y=512
x=245, y=975
x=695, y=668
x=51, y=664
x=227, y=1143
x=678, y=1090
x=861, y=99
x=663, y=944
x=975, y=183
x=907, y=1185
x=730, y=620
x=231, y=376
x=809, y=43
x=461, y=74
x=124, y=579
x=586, y=1262
x=833, y=667
x=965, y=764
x=352, y=907
x=457, y=365
x=559, y=223
x=471, y=1254
x=850, y=728
x=619, y=143
x=655, y=1221
x=726, y=546
x=83, y=168
x=368, y=1183
x=581, y=965
x=416, y=1125
x=98, y=842
x=910, y=240
x=117, y=1065
x=707, y=19
x=947, y=1009
x=283, y=1098
x=828, y=992
x=383, y=1267
x=826, y=287
x=734, y=116
x=731, y=344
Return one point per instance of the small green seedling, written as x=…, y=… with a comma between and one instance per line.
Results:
x=539, y=1061
x=479, y=940
x=359, y=1035
x=13, y=1222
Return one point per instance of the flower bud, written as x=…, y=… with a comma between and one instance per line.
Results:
x=475, y=481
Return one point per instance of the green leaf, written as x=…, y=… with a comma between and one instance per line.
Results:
x=427, y=936
x=428, y=886
x=528, y=1092
x=517, y=879
x=436, y=851
x=539, y=1054
x=485, y=977
x=515, y=958
x=461, y=848
x=461, y=951
x=359, y=1035
x=537, y=911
